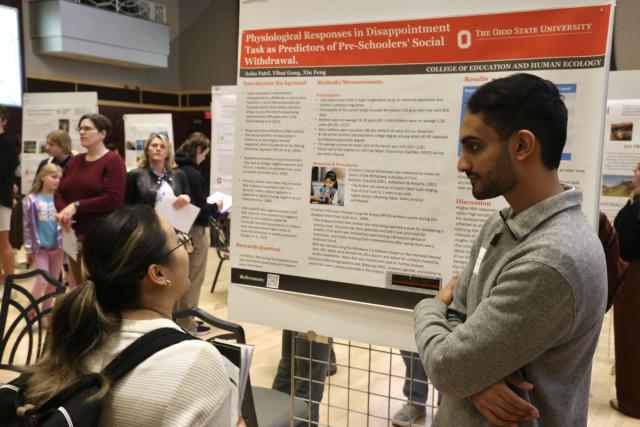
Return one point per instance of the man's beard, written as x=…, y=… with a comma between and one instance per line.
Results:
x=497, y=181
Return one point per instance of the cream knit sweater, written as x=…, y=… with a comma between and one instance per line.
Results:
x=183, y=385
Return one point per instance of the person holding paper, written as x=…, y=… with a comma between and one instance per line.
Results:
x=138, y=268
x=93, y=184
x=157, y=176
x=191, y=153
x=511, y=340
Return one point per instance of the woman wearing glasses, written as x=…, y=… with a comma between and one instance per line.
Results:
x=93, y=183
x=157, y=176
x=138, y=268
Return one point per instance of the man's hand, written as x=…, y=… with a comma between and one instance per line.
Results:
x=500, y=405
x=446, y=294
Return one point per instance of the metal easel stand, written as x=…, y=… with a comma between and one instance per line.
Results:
x=366, y=390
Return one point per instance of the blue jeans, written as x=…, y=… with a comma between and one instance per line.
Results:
x=316, y=372
x=416, y=392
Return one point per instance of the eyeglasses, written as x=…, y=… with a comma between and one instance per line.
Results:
x=183, y=240
x=85, y=128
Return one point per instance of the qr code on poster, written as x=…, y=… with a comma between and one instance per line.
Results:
x=273, y=281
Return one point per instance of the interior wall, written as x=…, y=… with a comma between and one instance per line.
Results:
x=209, y=43
x=191, y=10
x=184, y=123
x=203, y=51
x=204, y=48
x=166, y=78
x=626, y=35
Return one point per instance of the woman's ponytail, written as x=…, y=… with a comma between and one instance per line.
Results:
x=79, y=325
x=118, y=250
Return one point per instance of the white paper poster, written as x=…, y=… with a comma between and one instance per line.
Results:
x=347, y=144
x=223, y=130
x=181, y=219
x=46, y=112
x=137, y=128
x=621, y=154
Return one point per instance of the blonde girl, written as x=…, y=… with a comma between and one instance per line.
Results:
x=42, y=234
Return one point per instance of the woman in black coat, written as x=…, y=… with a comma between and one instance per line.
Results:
x=191, y=153
x=157, y=176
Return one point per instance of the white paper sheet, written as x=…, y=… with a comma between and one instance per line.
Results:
x=226, y=200
x=70, y=243
x=181, y=219
x=234, y=374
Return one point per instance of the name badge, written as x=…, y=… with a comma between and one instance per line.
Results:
x=476, y=267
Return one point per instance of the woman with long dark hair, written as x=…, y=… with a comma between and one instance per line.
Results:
x=138, y=268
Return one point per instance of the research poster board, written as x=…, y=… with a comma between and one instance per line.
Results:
x=378, y=101
x=46, y=112
x=223, y=131
x=621, y=154
x=137, y=128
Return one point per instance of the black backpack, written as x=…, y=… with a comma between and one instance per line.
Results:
x=70, y=407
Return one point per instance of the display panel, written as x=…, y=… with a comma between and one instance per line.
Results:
x=347, y=144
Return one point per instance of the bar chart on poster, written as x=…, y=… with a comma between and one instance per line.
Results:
x=345, y=180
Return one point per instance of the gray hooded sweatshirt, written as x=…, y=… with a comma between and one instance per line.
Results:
x=530, y=302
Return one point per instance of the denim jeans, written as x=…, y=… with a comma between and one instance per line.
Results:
x=415, y=391
x=303, y=369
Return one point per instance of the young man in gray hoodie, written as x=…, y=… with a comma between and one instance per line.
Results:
x=511, y=340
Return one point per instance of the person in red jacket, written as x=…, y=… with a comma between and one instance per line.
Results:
x=93, y=184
